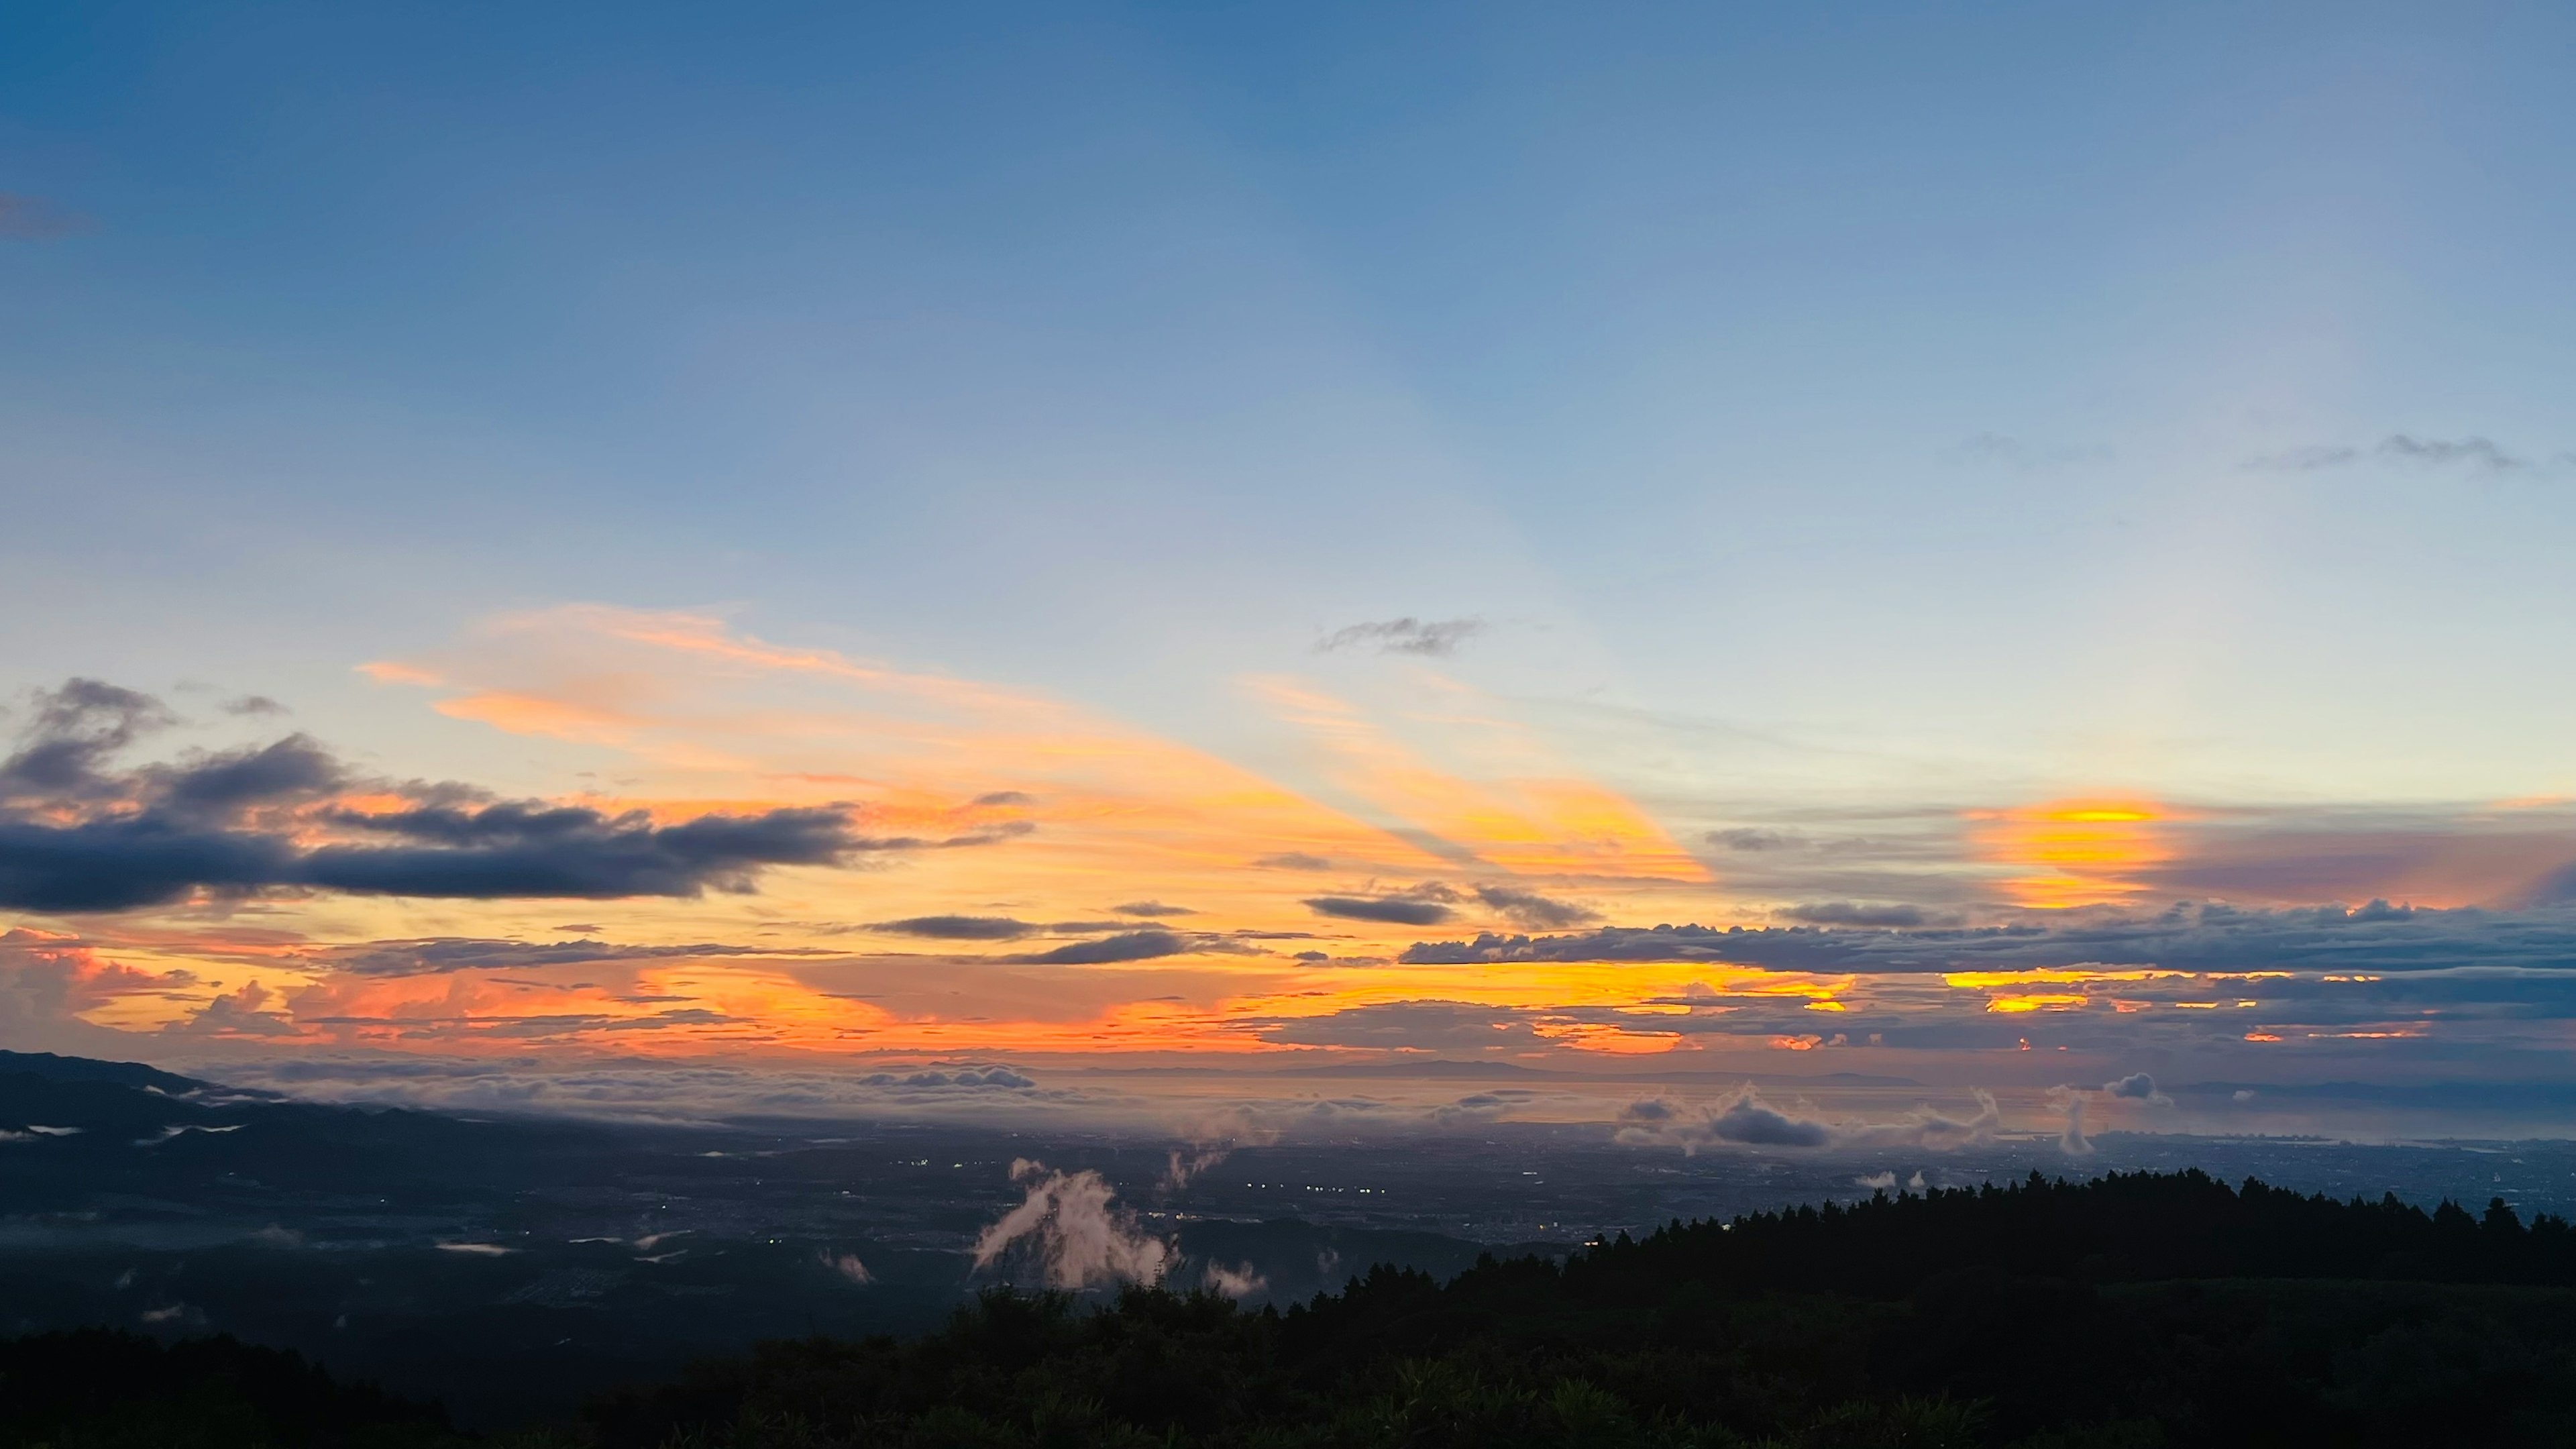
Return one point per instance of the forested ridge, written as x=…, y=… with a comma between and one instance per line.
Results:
x=2131, y=1310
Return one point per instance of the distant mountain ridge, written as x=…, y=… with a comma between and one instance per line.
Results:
x=84, y=1069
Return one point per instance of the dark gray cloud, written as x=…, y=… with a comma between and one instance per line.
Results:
x=1756, y=1123
x=1006, y=797
x=33, y=218
x=532, y=850
x=291, y=769
x=1126, y=946
x=1294, y=860
x=1152, y=909
x=1389, y=910
x=990, y=928
x=1403, y=636
x=1531, y=909
x=1857, y=913
x=2475, y=453
x=78, y=835
x=960, y=928
x=2187, y=937
x=253, y=704
x=72, y=733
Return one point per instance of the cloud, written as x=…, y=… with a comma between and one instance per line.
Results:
x=1749, y=839
x=1125, y=946
x=33, y=218
x=1184, y=1166
x=435, y=955
x=1152, y=909
x=1294, y=860
x=959, y=928
x=1876, y=1181
x=1743, y=1119
x=217, y=786
x=1240, y=1282
x=965, y=1077
x=632, y=1089
x=74, y=731
x=1006, y=797
x=1065, y=1232
x=2204, y=937
x=47, y=980
x=530, y=849
x=76, y=836
x=253, y=704
x=2137, y=1087
x=1857, y=913
x=2474, y=453
x=1390, y=910
x=1403, y=636
x=241, y=1013
x=1406, y=1025
x=1529, y=908
x=847, y=1265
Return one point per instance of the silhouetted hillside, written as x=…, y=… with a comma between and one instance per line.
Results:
x=512, y=1268
x=103, y=1390
x=2130, y=1311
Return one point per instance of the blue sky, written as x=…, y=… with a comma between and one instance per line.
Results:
x=1903, y=412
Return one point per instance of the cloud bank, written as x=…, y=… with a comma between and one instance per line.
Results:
x=79, y=834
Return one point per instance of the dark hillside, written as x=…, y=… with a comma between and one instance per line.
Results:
x=2133, y=1310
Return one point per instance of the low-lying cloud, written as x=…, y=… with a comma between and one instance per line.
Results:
x=1066, y=1233
x=1743, y=1119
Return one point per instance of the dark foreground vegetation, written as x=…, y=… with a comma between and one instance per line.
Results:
x=2131, y=1311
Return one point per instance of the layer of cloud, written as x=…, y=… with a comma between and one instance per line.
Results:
x=437, y=955
x=2205, y=937
x=964, y=1093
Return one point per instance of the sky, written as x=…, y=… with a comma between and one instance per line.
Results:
x=1885, y=553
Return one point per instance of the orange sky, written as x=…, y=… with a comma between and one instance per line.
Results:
x=1143, y=900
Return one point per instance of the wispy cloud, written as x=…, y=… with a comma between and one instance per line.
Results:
x=1407, y=635
x=2471, y=453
